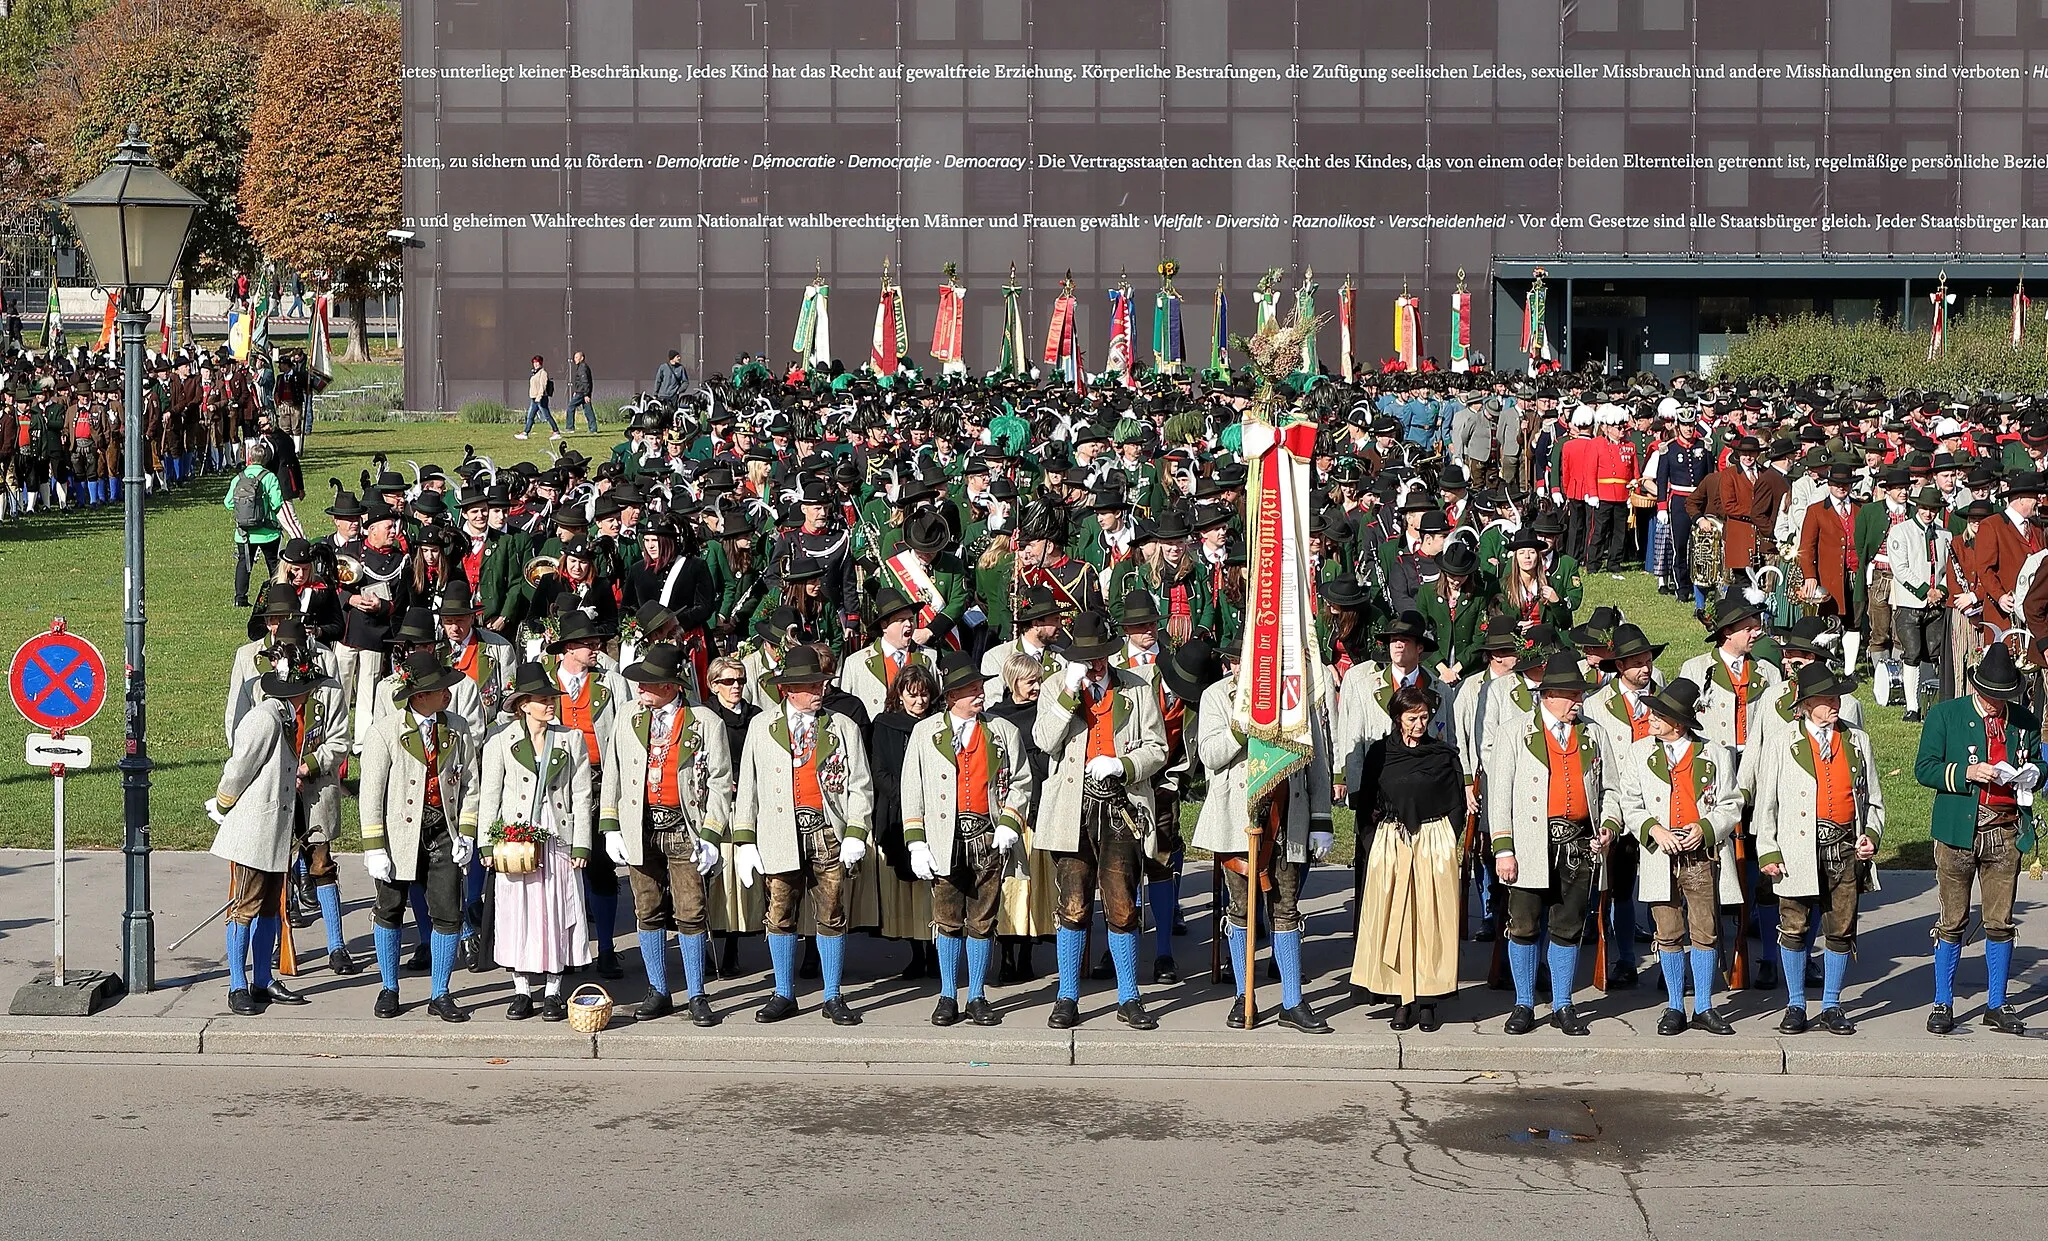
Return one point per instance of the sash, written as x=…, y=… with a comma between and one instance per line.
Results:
x=918, y=584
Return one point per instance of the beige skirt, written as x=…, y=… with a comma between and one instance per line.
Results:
x=906, y=906
x=732, y=907
x=1408, y=936
x=1030, y=896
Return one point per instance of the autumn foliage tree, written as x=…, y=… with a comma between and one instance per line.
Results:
x=321, y=184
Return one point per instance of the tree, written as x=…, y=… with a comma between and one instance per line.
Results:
x=32, y=29
x=321, y=184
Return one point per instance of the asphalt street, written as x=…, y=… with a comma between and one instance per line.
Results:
x=345, y=1150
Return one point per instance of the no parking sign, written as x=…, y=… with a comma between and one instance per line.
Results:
x=58, y=680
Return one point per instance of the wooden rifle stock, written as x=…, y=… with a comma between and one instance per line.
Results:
x=1218, y=911
x=1469, y=870
x=1600, y=905
x=1738, y=964
x=287, y=957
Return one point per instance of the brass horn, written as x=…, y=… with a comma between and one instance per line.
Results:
x=347, y=570
x=541, y=567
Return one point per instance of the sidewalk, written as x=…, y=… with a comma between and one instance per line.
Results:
x=1888, y=996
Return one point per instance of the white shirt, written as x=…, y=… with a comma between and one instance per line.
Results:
x=1734, y=664
x=1553, y=725
x=1674, y=751
x=1141, y=654
x=895, y=654
x=963, y=731
x=1823, y=738
x=662, y=725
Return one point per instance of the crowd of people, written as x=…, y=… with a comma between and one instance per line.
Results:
x=945, y=661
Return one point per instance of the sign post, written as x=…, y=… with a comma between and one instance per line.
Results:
x=59, y=682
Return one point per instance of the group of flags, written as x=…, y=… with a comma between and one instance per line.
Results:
x=248, y=327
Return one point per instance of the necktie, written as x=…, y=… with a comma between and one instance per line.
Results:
x=896, y=657
x=800, y=736
x=1823, y=744
x=1563, y=732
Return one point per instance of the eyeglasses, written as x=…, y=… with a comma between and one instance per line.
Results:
x=729, y=681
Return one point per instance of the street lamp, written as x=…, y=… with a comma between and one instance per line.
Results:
x=133, y=221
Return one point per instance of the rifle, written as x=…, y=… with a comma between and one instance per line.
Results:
x=1601, y=899
x=1216, y=916
x=1738, y=965
x=1254, y=835
x=1469, y=871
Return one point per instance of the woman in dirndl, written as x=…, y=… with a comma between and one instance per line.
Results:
x=1029, y=910
x=536, y=780
x=734, y=910
x=1408, y=935
x=906, y=901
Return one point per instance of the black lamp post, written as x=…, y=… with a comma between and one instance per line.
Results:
x=133, y=221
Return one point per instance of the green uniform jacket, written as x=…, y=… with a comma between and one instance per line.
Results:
x=1458, y=636
x=1952, y=730
x=1570, y=585
x=992, y=588
x=501, y=573
x=1873, y=523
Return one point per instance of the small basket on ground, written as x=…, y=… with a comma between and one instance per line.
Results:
x=590, y=1009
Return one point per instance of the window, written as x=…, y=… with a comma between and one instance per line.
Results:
x=664, y=24
x=997, y=191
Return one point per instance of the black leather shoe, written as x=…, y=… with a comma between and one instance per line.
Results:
x=1793, y=1022
x=241, y=1003
x=1403, y=1018
x=701, y=1015
x=445, y=1007
x=1484, y=935
x=520, y=1008
x=1835, y=1021
x=1305, y=1019
x=1622, y=977
x=983, y=1013
x=343, y=963
x=1910, y=717
x=1065, y=1015
x=947, y=1013
x=554, y=1007
x=1132, y=1013
x=2004, y=1020
x=1164, y=971
x=1568, y=1021
x=480, y=962
x=1426, y=1019
x=301, y=912
x=1941, y=1019
x=778, y=1008
x=608, y=964
x=839, y=1014
x=1712, y=1022
x=1672, y=1022
x=1521, y=1021
x=387, y=1003
x=654, y=1006
x=421, y=960
x=278, y=993
x=1236, y=1018
x=1006, y=966
x=1104, y=968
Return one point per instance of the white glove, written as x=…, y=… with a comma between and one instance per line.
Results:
x=708, y=859
x=615, y=848
x=214, y=812
x=2028, y=779
x=464, y=850
x=1592, y=501
x=746, y=864
x=1077, y=674
x=1007, y=839
x=1105, y=767
x=378, y=863
x=851, y=851
x=1320, y=844
x=921, y=862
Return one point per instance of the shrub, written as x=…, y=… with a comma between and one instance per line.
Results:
x=1978, y=354
x=486, y=411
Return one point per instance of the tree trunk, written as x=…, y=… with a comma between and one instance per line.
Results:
x=358, y=331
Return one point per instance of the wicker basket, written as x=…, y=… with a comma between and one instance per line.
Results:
x=589, y=1014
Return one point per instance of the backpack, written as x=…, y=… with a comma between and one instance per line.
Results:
x=251, y=512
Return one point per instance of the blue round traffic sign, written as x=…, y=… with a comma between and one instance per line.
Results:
x=58, y=681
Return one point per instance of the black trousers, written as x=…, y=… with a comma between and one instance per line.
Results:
x=245, y=562
x=443, y=880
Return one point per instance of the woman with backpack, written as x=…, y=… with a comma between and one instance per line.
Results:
x=539, y=391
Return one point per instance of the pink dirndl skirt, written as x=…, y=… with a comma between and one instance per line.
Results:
x=540, y=926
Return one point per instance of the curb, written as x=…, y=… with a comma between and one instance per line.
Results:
x=1454, y=1051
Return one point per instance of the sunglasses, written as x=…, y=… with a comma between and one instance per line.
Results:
x=729, y=681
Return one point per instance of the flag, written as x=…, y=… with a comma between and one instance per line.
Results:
x=239, y=329
x=1266, y=301
x=1942, y=300
x=1461, y=329
x=1407, y=331
x=2020, y=302
x=259, y=313
x=163, y=321
x=949, y=328
x=1347, y=317
x=813, y=342
x=106, y=340
x=1219, y=342
x=1169, y=347
x=53, y=327
x=1118, y=362
x=1276, y=696
x=1305, y=310
x=1062, y=347
x=892, y=333
x=318, y=366
x=1536, y=325
x=1013, y=327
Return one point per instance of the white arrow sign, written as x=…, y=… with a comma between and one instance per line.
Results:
x=47, y=751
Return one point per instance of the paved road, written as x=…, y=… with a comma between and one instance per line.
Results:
x=349, y=1150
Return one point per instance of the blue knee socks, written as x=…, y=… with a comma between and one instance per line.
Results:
x=238, y=956
x=1946, y=957
x=263, y=935
x=1237, y=963
x=1836, y=965
x=1792, y=961
x=693, y=947
x=1123, y=950
x=831, y=961
x=1071, y=945
x=1704, y=962
x=1673, y=965
x=1287, y=953
x=1522, y=963
x=654, y=959
x=1564, y=972
x=977, y=966
x=443, y=948
x=948, y=948
x=1161, y=897
x=1997, y=964
x=329, y=897
x=782, y=955
x=387, y=955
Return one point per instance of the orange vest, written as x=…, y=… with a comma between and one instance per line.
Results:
x=576, y=715
x=1567, y=779
x=1837, y=793
x=1685, y=808
x=972, y=764
x=1102, y=725
x=1741, y=698
x=662, y=789
x=806, y=772
x=430, y=742
x=1639, y=723
x=467, y=665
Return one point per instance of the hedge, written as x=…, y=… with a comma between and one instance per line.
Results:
x=1978, y=354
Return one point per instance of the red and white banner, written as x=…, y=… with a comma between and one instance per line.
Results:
x=948, y=345
x=1407, y=332
x=892, y=335
x=1347, y=315
x=1277, y=694
x=1119, y=360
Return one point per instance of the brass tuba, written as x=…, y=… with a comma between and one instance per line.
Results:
x=348, y=570
x=542, y=567
x=1708, y=571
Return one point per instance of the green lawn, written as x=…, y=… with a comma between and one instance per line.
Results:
x=70, y=565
